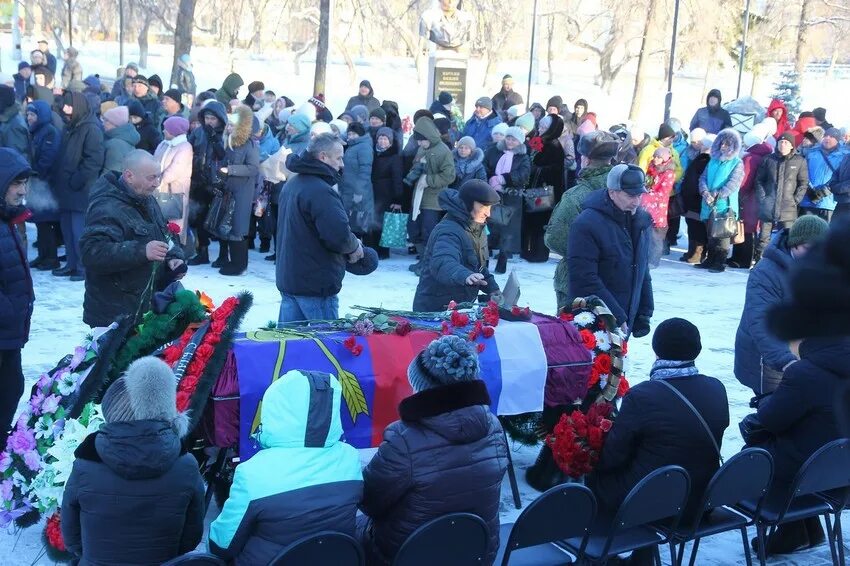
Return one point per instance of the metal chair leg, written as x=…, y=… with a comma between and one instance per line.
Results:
x=762, y=540
x=694, y=552
x=830, y=538
x=673, y=560
x=747, y=554
x=681, y=554
x=839, y=538
x=512, y=474
x=657, y=554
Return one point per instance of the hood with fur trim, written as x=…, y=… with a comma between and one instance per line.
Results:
x=242, y=129
x=730, y=137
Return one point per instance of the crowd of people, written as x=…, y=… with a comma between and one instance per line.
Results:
x=136, y=181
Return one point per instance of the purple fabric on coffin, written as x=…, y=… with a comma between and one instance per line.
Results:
x=220, y=425
x=568, y=360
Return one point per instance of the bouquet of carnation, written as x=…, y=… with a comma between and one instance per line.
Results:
x=577, y=440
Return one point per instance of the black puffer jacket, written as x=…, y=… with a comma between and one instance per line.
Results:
x=691, y=198
x=311, y=214
x=655, y=429
x=780, y=185
x=119, y=225
x=16, y=293
x=133, y=497
x=447, y=454
x=456, y=249
x=386, y=181
x=80, y=159
x=800, y=414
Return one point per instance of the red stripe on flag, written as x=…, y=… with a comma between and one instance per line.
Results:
x=391, y=355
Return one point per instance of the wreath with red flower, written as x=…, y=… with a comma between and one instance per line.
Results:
x=54, y=544
x=577, y=439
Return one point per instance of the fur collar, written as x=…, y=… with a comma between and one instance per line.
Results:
x=242, y=128
x=433, y=402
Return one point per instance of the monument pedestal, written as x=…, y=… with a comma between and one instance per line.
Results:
x=447, y=71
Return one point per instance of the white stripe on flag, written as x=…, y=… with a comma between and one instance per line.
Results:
x=524, y=367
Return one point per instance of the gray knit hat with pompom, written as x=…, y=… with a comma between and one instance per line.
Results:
x=445, y=361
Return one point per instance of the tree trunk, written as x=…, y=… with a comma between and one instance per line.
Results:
x=322, y=47
x=550, y=53
x=143, y=40
x=643, y=59
x=182, y=34
x=802, y=53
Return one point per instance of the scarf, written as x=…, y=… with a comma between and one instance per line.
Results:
x=505, y=162
x=666, y=369
x=177, y=140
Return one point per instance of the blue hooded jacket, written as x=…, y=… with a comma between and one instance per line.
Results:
x=304, y=480
x=16, y=293
x=479, y=128
x=46, y=140
x=822, y=166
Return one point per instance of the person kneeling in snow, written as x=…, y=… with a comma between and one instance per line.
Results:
x=447, y=454
x=304, y=480
x=134, y=495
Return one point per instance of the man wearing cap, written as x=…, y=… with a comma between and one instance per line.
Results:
x=823, y=161
x=760, y=357
x=479, y=126
x=256, y=95
x=454, y=264
x=506, y=98
x=608, y=250
x=22, y=80
x=781, y=183
x=597, y=148
x=49, y=58
x=365, y=97
x=16, y=292
x=172, y=105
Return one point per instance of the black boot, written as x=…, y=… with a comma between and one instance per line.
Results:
x=502, y=263
x=222, y=254
x=201, y=258
x=815, y=531
x=265, y=245
x=238, y=259
x=787, y=539
x=706, y=262
x=544, y=473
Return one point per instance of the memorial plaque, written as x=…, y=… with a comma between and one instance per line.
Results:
x=451, y=80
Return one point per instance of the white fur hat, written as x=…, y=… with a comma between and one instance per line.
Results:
x=320, y=128
x=146, y=391
x=308, y=110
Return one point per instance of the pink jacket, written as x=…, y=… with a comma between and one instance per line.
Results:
x=175, y=158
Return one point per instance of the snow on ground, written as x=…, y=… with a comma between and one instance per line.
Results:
x=712, y=301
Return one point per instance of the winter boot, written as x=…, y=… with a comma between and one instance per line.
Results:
x=271, y=258
x=238, y=259
x=222, y=254
x=544, y=473
x=265, y=245
x=815, y=531
x=252, y=245
x=704, y=261
x=502, y=263
x=201, y=258
x=698, y=256
x=688, y=254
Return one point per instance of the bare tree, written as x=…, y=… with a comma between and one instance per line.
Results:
x=649, y=35
x=834, y=12
x=322, y=47
x=182, y=34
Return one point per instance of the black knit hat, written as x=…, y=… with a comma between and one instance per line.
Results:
x=175, y=95
x=379, y=113
x=666, y=131
x=357, y=128
x=676, y=339
x=476, y=190
x=445, y=98
x=154, y=80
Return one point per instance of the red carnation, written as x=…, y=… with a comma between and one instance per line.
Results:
x=403, y=328
x=357, y=350
x=594, y=438
x=53, y=531
x=350, y=342
x=625, y=347
x=605, y=425
x=173, y=228
x=452, y=305
x=204, y=352
x=603, y=364
x=488, y=331
x=481, y=347
x=588, y=338
x=473, y=334
x=536, y=143
x=623, y=387
x=594, y=377
x=515, y=310
x=459, y=319
x=444, y=328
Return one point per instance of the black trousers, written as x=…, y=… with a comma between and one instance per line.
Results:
x=697, y=232
x=11, y=389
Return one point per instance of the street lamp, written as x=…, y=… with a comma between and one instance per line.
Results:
x=743, y=48
x=668, y=100
x=531, y=54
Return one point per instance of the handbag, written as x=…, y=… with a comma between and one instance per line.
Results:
x=540, y=199
x=219, y=221
x=170, y=204
x=741, y=236
x=723, y=225
x=501, y=215
x=394, y=231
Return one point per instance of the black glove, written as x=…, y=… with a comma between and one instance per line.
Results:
x=817, y=194
x=641, y=328
x=752, y=431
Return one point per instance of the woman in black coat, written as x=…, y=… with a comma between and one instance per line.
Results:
x=508, y=169
x=447, y=454
x=795, y=421
x=386, y=185
x=547, y=169
x=692, y=202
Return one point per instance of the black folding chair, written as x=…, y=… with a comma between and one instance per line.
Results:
x=660, y=495
x=562, y=512
x=838, y=501
x=322, y=548
x=458, y=539
x=826, y=470
x=745, y=476
x=196, y=559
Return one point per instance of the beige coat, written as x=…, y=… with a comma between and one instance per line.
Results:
x=175, y=158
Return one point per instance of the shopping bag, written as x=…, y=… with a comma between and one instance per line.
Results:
x=394, y=232
x=219, y=221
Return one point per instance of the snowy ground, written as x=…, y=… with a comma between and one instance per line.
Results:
x=712, y=301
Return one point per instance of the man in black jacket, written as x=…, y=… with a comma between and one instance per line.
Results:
x=16, y=293
x=506, y=98
x=78, y=166
x=608, y=250
x=781, y=183
x=125, y=237
x=657, y=428
x=314, y=240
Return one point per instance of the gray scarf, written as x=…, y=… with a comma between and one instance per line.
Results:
x=665, y=369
